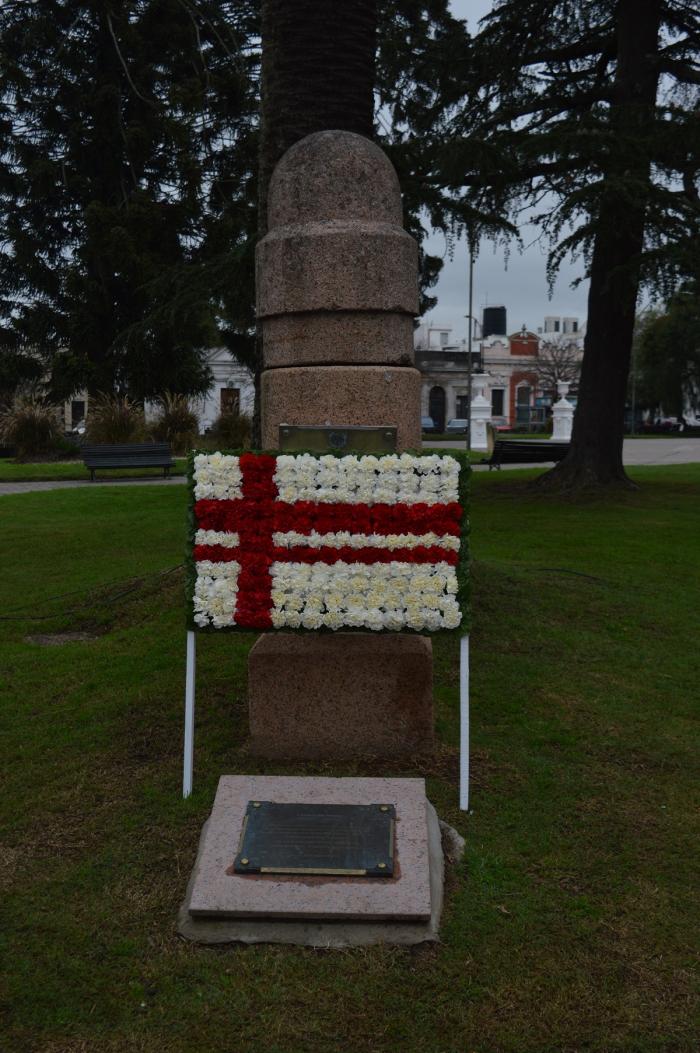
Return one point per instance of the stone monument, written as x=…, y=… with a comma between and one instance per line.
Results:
x=480, y=414
x=337, y=292
x=562, y=414
x=313, y=860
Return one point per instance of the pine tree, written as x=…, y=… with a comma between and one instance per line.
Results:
x=667, y=358
x=589, y=108
x=128, y=145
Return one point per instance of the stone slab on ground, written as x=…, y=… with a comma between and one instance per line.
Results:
x=330, y=934
x=219, y=891
x=340, y=695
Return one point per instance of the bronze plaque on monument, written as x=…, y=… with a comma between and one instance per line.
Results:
x=345, y=839
x=339, y=437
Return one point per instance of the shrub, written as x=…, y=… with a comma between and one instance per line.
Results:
x=230, y=431
x=30, y=425
x=67, y=449
x=113, y=419
x=176, y=423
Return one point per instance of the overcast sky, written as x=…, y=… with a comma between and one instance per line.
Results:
x=521, y=285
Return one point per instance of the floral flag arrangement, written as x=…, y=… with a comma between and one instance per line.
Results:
x=299, y=541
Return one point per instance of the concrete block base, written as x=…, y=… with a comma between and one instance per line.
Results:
x=321, y=696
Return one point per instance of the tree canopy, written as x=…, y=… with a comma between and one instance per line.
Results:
x=667, y=360
x=586, y=112
x=129, y=139
x=128, y=180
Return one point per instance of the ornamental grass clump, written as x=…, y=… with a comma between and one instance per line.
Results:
x=114, y=419
x=31, y=426
x=230, y=431
x=176, y=423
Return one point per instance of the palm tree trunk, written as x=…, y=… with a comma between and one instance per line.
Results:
x=318, y=63
x=318, y=68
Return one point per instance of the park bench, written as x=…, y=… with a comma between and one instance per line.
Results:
x=524, y=451
x=128, y=455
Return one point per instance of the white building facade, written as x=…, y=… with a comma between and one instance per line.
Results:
x=508, y=362
x=232, y=390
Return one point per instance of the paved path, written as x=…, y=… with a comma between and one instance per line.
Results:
x=72, y=484
x=635, y=451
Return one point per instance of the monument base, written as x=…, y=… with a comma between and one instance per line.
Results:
x=342, y=395
x=319, y=911
x=340, y=696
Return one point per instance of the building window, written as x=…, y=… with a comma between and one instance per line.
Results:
x=497, y=395
x=436, y=407
x=230, y=400
x=574, y=326
x=463, y=407
x=77, y=412
x=443, y=339
x=522, y=405
x=556, y=325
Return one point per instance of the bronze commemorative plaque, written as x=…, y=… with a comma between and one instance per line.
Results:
x=344, y=839
x=319, y=438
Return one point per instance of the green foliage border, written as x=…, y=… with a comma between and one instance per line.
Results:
x=463, y=582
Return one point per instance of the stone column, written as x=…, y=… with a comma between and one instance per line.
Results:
x=563, y=414
x=337, y=291
x=480, y=414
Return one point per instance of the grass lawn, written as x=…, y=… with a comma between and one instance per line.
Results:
x=16, y=472
x=571, y=924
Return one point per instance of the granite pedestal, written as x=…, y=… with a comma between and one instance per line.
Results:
x=340, y=696
x=222, y=907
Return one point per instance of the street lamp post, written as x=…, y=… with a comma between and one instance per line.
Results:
x=470, y=333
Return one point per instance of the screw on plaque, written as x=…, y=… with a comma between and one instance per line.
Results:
x=383, y=807
x=256, y=804
x=382, y=866
x=245, y=862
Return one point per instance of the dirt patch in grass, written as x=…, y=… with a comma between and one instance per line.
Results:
x=58, y=639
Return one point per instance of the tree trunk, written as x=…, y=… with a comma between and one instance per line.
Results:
x=318, y=69
x=595, y=457
x=318, y=61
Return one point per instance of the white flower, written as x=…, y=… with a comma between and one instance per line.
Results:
x=393, y=619
x=217, y=476
x=374, y=619
x=216, y=537
x=433, y=621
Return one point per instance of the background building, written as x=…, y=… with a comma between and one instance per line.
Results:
x=443, y=363
x=514, y=364
x=232, y=390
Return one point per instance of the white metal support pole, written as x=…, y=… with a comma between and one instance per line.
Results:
x=189, y=714
x=464, y=723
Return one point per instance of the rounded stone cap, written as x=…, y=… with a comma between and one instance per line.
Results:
x=334, y=175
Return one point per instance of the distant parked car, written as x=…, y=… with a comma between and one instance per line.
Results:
x=427, y=424
x=661, y=426
x=457, y=426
